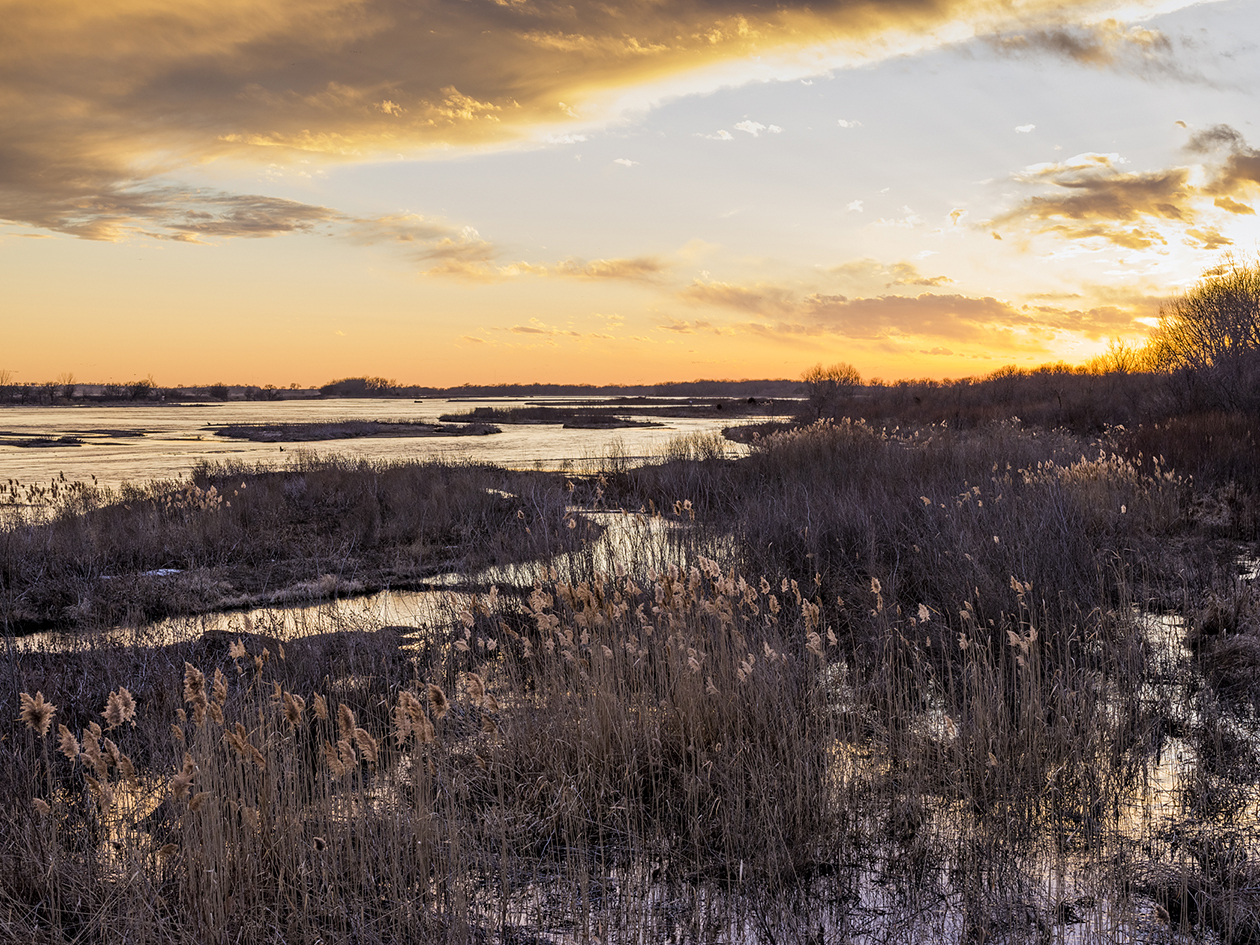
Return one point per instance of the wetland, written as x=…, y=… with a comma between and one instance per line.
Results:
x=849, y=682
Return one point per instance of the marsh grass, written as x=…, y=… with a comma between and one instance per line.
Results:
x=841, y=712
x=76, y=555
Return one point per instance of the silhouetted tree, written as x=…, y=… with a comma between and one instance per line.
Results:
x=829, y=386
x=1210, y=336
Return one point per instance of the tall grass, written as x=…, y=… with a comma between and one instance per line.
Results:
x=555, y=767
x=894, y=687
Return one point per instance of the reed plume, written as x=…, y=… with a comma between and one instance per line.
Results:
x=195, y=692
x=437, y=701
x=36, y=713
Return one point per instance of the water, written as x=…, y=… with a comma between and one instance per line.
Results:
x=126, y=443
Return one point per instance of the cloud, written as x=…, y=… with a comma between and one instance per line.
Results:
x=638, y=269
x=721, y=135
x=1109, y=44
x=1080, y=162
x=469, y=257
x=103, y=104
x=759, y=299
x=848, y=124
x=625, y=162
x=1024, y=129
x=1238, y=165
x=1091, y=197
x=755, y=128
x=785, y=313
x=113, y=211
x=854, y=206
x=538, y=330
x=909, y=221
x=1232, y=206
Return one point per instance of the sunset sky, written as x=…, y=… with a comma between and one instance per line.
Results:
x=483, y=191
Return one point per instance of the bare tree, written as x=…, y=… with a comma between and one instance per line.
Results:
x=1212, y=332
x=829, y=387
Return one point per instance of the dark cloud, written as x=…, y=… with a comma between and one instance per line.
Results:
x=164, y=211
x=1232, y=206
x=1238, y=167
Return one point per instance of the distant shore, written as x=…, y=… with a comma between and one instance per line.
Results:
x=147, y=393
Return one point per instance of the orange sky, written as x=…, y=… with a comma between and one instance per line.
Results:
x=489, y=191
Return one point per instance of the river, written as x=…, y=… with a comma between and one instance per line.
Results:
x=133, y=443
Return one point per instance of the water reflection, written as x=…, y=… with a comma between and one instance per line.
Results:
x=165, y=442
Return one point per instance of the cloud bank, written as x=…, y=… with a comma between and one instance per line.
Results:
x=101, y=101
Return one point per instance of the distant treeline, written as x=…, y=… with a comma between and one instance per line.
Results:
x=144, y=391
x=68, y=391
x=381, y=387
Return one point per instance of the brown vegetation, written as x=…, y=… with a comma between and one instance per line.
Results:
x=238, y=534
x=875, y=681
x=345, y=430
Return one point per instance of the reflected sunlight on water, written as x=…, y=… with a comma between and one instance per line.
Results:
x=166, y=442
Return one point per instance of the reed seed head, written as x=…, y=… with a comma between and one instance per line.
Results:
x=294, y=706
x=184, y=778
x=476, y=688
x=120, y=708
x=36, y=713
x=366, y=744
x=345, y=721
x=438, y=701
x=68, y=746
x=195, y=692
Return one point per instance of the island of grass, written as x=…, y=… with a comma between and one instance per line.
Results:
x=346, y=430
x=624, y=411
x=26, y=441
x=571, y=418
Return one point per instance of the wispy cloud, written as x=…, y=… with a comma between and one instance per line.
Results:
x=784, y=312
x=1109, y=44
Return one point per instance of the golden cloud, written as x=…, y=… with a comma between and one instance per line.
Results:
x=1092, y=198
x=926, y=317
x=100, y=100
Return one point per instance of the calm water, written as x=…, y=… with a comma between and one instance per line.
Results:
x=165, y=442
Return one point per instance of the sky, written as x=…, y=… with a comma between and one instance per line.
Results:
x=512, y=191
